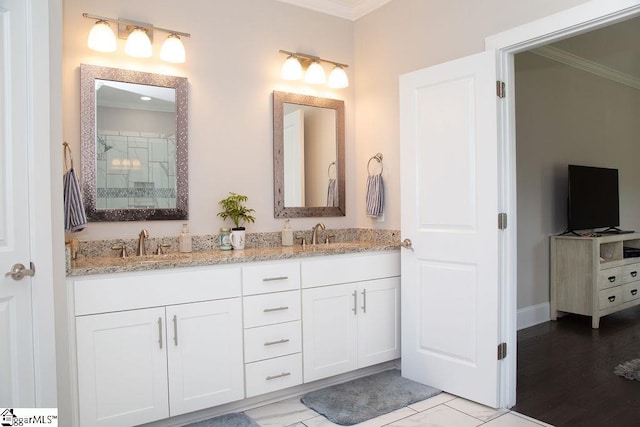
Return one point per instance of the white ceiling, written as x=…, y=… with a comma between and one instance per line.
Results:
x=347, y=9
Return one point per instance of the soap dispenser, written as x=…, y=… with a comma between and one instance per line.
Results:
x=185, y=239
x=287, y=234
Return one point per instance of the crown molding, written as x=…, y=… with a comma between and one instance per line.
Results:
x=581, y=63
x=351, y=10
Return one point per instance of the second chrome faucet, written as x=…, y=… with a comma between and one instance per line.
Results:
x=142, y=239
x=314, y=234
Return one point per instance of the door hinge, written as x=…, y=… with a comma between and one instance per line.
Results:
x=502, y=221
x=502, y=350
x=500, y=89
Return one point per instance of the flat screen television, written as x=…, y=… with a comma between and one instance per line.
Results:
x=593, y=198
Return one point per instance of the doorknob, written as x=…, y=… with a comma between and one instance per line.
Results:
x=406, y=243
x=18, y=271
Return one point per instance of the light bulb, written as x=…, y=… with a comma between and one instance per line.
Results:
x=101, y=37
x=172, y=50
x=291, y=69
x=338, y=78
x=138, y=44
x=315, y=74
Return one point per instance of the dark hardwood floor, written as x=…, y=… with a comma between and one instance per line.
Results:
x=565, y=371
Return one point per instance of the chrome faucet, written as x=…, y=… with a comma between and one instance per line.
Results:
x=314, y=234
x=142, y=248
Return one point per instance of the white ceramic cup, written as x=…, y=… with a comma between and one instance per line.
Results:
x=237, y=238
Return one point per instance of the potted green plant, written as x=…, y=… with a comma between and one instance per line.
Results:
x=233, y=208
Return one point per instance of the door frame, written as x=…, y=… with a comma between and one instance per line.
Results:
x=582, y=18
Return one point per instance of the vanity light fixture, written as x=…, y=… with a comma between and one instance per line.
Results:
x=296, y=63
x=139, y=36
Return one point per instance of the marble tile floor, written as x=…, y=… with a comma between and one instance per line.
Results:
x=443, y=410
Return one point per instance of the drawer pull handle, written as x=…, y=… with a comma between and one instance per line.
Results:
x=269, y=310
x=364, y=300
x=612, y=278
x=612, y=298
x=634, y=273
x=282, y=341
x=273, y=279
x=273, y=377
x=634, y=291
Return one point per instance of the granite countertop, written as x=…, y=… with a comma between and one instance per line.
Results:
x=103, y=265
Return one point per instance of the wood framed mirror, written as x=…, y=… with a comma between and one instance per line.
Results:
x=134, y=136
x=308, y=156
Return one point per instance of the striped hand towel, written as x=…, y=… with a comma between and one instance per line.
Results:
x=332, y=193
x=75, y=218
x=375, y=195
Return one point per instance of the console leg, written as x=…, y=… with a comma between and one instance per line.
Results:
x=595, y=322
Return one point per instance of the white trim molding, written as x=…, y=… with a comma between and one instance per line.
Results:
x=533, y=315
x=583, y=64
x=347, y=9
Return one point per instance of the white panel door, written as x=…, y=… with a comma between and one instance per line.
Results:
x=378, y=321
x=293, y=141
x=16, y=326
x=450, y=323
x=329, y=331
x=205, y=354
x=122, y=367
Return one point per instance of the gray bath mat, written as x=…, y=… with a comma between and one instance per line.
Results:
x=365, y=398
x=629, y=370
x=229, y=420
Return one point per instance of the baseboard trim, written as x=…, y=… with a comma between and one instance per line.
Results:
x=533, y=315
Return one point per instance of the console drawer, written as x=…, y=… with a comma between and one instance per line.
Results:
x=269, y=309
x=630, y=273
x=610, y=297
x=267, y=342
x=610, y=277
x=630, y=291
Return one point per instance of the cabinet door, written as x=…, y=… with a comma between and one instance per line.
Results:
x=378, y=321
x=122, y=368
x=204, y=345
x=329, y=330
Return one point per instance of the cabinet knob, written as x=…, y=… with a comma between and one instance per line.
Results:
x=634, y=273
x=612, y=298
x=634, y=291
x=612, y=278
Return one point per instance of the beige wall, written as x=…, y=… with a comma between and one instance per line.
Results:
x=566, y=116
x=406, y=35
x=233, y=65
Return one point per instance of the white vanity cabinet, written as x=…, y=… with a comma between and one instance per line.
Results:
x=141, y=358
x=351, y=312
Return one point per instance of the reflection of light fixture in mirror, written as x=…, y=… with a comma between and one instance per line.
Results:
x=314, y=74
x=136, y=163
x=126, y=163
x=338, y=78
x=138, y=44
x=116, y=163
x=145, y=98
x=291, y=69
x=295, y=64
x=101, y=37
x=172, y=50
x=139, y=36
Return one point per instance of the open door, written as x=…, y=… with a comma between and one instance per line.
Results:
x=449, y=205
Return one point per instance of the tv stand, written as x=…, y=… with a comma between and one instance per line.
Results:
x=591, y=276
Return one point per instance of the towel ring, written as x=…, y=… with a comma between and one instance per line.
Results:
x=377, y=157
x=67, y=150
x=329, y=169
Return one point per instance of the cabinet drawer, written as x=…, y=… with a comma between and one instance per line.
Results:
x=349, y=268
x=267, y=342
x=119, y=292
x=268, y=309
x=630, y=291
x=610, y=297
x=262, y=279
x=609, y=278
x=630, y=273
x=273, y=374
